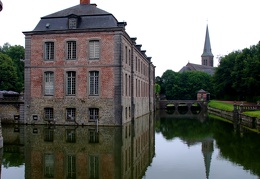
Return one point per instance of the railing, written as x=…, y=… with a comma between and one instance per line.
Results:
x=241, y=108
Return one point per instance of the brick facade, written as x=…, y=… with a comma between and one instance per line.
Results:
x=125, y=75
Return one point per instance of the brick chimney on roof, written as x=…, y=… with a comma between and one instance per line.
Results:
x=84, y=1
x=1, y=6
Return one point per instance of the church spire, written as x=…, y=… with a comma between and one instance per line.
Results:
x=207, y=56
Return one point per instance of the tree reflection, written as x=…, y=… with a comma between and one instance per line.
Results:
x=240, y=146
x=186, y=129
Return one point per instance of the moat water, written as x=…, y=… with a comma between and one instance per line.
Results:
x=159, y=146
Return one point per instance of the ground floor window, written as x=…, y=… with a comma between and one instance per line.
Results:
x=49, y=165
x=48, y=113
x=93, y=136
x=71, y=135
x=93, y=167
x=71, y=114
x=71, y=166
x=93, y=114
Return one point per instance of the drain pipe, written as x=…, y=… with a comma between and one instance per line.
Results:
x=97, y=124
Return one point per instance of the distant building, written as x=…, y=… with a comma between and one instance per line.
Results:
x=81, y=67
x=207, y=59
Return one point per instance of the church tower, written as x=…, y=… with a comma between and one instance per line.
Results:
x=207, y=56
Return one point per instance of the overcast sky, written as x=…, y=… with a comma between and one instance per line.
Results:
x=171, y=31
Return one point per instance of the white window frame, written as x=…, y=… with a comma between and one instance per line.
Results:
x=49, y=51
x=71, y=83
x=94, y=49
x=49, y=83
x=71, y=50
x=94, y=83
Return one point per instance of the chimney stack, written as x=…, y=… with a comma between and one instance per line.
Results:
x=84, y=1
x=1, y=6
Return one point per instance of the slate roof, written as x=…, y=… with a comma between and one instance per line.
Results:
x=89, y=17
x=195, y=67
x=207, y=47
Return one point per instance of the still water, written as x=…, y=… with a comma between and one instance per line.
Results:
x=159, y=146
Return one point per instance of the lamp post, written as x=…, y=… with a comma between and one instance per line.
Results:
x=1, y=5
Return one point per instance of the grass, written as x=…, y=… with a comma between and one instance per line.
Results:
x=221, y=105
x=252, y=113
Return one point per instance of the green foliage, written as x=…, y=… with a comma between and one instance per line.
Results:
x=157, y=89
x=12, y=160
x=185, y=85
x=8, y=75
x=237, y=77
x=16, y=53
x=188, y=130
x=221, y=105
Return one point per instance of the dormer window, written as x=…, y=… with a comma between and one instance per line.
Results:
x=72, y=23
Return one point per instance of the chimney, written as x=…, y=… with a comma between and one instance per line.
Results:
x=1, y=6
x=84, y=1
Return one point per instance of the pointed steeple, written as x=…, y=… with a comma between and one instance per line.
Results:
x=207, y=150
x=207, y=56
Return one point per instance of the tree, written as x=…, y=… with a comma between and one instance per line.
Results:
x=237, y=77
x=185, y=85
x=223, y=79
x=8, y=75
x=16, y=53
x=157, y=89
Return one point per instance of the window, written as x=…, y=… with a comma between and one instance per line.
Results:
x=126, y=113
x=93, y=114
x=72, y=23
x=48, y=165
x=93, y=82
x=126, y=87
x=71, y=83
x=70, y=135
x=48, y=134
x=129, y=81
x=93, y=136
x=48, y=83
x=71, y=50
x=71, y=166
x=135, y=63
x=93, y=167
x=126, y=54
x=48, y=113
x=49, y=51
x=94, y=49
x=129, y=55
x=71, y=114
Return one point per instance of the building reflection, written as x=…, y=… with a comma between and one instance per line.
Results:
x=86, y=152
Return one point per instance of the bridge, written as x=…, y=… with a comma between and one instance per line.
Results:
x=164, y=104
x=184, y=109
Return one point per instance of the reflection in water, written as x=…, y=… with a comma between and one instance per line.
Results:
x=241, y=150
x=82, y=152
x=185, y=148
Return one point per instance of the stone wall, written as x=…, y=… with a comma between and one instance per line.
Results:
x=8, y=111
x=82, y=106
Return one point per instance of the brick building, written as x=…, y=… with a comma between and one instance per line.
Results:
x=81, y=67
